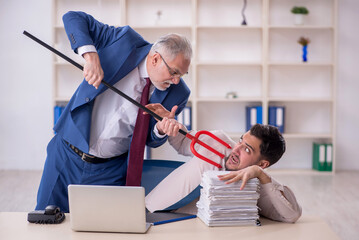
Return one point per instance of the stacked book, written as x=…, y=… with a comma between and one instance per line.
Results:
x=222, y=204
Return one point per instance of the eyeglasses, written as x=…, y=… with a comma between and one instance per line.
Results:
x=171, y=71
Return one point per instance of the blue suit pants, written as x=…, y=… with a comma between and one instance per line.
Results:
x=64, y=167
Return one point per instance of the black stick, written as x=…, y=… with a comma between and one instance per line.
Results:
x=103, y=82
x=81, y=68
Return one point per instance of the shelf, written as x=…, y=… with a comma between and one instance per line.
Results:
x=226, y=27
x=150, y=27
x=299, y=100
x=261, y=62
x=302, y=172
x=228, y=100
x=59, y=27
x=301, y=64
x=173, y=28
x=62, y=99
x=64, y=63
x=222, y=63
x=306, y=136
x=291, y=135
x=298, y=27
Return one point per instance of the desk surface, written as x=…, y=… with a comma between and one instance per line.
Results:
x=14, y=225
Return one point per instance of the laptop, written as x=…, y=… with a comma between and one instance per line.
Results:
x=107, y=208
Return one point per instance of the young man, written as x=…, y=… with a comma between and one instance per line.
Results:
x=257, y=149
x=94, y=141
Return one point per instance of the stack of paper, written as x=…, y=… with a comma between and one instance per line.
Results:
x=222, y=204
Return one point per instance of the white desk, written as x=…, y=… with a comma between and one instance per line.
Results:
x=14, y=226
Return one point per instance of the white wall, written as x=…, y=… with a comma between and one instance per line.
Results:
x=348, y=86
x=26, y=86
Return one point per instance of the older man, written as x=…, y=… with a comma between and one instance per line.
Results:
x=100, y=136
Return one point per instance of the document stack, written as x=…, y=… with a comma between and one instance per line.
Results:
x=222, y=204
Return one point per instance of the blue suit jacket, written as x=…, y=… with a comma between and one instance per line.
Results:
x=120, y=50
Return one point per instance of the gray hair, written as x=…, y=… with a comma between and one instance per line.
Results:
x=173, y=44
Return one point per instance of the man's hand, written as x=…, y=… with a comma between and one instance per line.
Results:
x=161, y=110
x=93, y=72
x=245, y=174
x=168, y=125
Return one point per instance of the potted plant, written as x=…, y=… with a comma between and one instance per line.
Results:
x=304, y=42
x=299, y=13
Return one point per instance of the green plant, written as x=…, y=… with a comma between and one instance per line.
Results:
x=303, y=41
x=300, y=10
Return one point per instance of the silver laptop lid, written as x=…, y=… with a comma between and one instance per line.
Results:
x=107, y=208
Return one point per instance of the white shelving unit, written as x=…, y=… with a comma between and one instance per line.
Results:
x=261, y=62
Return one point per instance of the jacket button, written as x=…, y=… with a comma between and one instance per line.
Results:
x=87, y=99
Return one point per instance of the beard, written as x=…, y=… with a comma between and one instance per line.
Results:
x=162, y=86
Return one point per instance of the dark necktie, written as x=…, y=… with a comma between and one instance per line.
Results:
x=138, y=142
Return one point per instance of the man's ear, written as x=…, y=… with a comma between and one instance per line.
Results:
x=154, y=59
x=263, y=163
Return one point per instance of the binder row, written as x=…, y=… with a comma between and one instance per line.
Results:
x=322, y=153
x=322, y=156
x=185, y=117
x=275, y=116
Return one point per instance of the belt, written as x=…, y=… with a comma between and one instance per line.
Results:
x=89, y=158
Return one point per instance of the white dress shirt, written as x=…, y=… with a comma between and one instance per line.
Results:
x=113, y=117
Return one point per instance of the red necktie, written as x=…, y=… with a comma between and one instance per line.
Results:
x=138, y=142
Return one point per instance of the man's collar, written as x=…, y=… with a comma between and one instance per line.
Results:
x=143, y=69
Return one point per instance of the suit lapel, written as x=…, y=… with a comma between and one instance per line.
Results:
x=158, y=96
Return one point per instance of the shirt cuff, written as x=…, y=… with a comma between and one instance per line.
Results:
x=85, y=49
x=155, y=130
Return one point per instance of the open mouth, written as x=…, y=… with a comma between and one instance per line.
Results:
x=234, y=159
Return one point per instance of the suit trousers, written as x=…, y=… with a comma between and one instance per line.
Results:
x=64, y=167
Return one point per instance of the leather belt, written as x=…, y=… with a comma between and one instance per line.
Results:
x=89, y=158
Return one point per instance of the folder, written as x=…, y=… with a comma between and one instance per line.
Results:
x=329, y=157
x=253, y=116
x=276, y=117
x=185, y=117
x=147, y=153
x=322, y=156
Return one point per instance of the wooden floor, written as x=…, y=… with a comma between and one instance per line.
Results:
x=334, y=197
